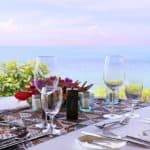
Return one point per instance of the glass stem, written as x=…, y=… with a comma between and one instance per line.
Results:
x=46, y=121
x=51, y=123
x=112, y=99
x=132, y=109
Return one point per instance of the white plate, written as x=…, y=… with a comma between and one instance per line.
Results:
x=86, y=141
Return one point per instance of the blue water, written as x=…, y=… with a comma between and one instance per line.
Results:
x=86, y=63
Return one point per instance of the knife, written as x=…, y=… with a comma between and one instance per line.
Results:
x=138, y=139
x=13, y=143
x=126, y=139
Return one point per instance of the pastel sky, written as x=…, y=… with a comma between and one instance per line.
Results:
x=74, y=22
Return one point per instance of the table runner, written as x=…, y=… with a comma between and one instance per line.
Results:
x=69, y=141
x=29, y=118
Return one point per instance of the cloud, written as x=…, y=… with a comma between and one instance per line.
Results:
x=75, y=22
x=8, y=26
x=85, y=36
x=99, y=5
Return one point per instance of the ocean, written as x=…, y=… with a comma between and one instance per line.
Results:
x=86, y=63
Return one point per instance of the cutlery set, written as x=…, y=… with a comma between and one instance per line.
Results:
x=18, y=135
x=113, y=137
x=127, y=139
x=108, y=125
x=107, y=142
x=6, y=143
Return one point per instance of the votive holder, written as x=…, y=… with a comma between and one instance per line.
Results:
x=85, y=99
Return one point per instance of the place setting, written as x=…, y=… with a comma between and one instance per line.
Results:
x=113, y=76
x=58, y=106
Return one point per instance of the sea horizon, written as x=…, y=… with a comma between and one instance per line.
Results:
x=85, y=63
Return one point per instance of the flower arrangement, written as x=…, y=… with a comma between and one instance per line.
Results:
x=64, y=83
x=69, y=83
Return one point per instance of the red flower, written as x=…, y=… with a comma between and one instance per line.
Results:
x=23, y=95
x=33, y=90
x=64, y=83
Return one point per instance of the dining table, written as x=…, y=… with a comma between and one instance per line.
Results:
x=87, y=122
x=136, y=128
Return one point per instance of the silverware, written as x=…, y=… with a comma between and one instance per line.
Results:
x=4, y=141
x=138, y=139
x=105, y=143
x=17, y=141
x=125, y=139
x=124, y=121
x=137, y=142
x=99, y=144
x=103, y=136
x=10, y=124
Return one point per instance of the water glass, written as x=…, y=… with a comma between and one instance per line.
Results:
x=133, y=91
x=85, y=99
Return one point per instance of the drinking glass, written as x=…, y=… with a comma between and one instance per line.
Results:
x=133, y=91
x=51, y=103
x=114, y=74
x=46, y=81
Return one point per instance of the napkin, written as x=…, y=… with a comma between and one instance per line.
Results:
x=8, y=103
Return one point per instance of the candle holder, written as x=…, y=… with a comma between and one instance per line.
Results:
x=85, y=99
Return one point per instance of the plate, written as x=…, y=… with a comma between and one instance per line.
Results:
x=97, y=143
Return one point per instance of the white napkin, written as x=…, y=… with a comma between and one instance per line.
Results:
x=7, y=103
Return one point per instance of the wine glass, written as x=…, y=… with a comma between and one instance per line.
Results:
x=51, y=103
x=46, y=81
x=114, y=74
x=133, y=91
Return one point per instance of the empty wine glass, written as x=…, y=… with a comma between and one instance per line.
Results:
x=133, y=91
x=114, y=74
x=51, y=104
x=45, y=80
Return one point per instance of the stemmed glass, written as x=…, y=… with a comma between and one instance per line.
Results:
x=133, y=91
x=114, y=74
x=46, y=82
x=51, y=104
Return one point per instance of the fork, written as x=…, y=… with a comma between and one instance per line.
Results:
x=124, y=121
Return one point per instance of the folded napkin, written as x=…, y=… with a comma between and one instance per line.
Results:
x=8, y=103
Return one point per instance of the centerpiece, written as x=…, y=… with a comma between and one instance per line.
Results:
x=27, y=93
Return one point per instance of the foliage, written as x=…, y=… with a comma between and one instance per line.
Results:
x=146, y=95
x=15, y=76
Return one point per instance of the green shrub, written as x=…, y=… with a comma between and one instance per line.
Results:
x=15, y=77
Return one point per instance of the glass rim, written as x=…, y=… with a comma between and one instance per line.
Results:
x=121, y=56
x=45, y=56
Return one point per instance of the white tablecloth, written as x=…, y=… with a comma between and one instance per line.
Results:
x=12, y=103
x=69, y=141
